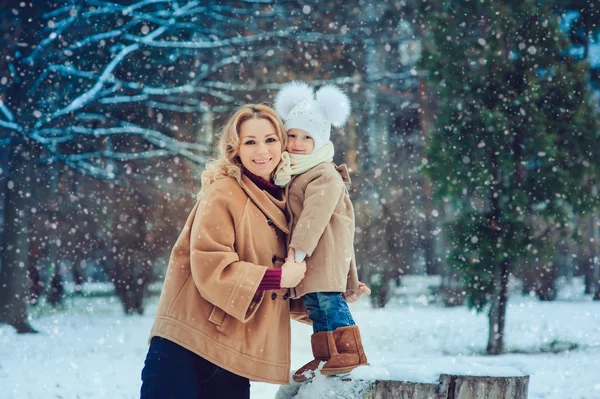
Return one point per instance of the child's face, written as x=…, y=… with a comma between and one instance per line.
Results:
x=299, y=142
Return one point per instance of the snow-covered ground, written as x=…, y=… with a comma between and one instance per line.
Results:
x=91, y=350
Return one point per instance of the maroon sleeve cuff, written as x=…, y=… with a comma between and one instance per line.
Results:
x=271, y=280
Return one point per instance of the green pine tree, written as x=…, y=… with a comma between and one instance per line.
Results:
x=515, y=137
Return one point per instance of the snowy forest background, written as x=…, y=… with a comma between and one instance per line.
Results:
x=473, y=148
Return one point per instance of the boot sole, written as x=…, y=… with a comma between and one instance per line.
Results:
x=304, y=379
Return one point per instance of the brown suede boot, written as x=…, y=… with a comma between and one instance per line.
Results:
x=323, y=347
x=350, y=352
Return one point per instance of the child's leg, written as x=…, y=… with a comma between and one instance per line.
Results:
x=321, y=342
x=315, y=312
x=346, y=336
x=335, y=310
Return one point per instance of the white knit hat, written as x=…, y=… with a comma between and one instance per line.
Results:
x=313, y=113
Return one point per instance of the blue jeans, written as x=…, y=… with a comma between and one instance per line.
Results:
x=327, y=310
x=171, y=371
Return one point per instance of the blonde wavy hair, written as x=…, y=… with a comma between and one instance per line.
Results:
x=227, y=163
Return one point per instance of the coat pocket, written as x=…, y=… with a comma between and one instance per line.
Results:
x=217, y=316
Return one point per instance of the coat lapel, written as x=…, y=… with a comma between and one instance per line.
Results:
x=343, y=170
x=269, y=205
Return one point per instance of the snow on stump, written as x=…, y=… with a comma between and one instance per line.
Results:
x=455, y=378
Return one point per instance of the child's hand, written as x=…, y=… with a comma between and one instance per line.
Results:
x=362, y=287
x=351, y=296
x=291, y=272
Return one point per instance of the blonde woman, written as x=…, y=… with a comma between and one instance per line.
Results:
x=224, y=311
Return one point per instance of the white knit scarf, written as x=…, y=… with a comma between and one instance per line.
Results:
x=294, y=164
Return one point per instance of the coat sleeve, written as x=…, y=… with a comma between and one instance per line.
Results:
x=219, y=274
x=321, y=197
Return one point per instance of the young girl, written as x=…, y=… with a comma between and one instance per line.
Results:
x=321, y=221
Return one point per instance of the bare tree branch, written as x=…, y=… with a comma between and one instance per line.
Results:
x=92, y=94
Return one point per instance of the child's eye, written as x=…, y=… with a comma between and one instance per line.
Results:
x=293, y=136
x=307, y=138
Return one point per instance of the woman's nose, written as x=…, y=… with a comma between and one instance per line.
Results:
x=262, y=148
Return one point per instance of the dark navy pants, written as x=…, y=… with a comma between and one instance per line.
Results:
x=171, y=371
x=327, y=310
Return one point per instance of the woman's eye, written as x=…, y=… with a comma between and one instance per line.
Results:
x=271, y=140
x=249, y=142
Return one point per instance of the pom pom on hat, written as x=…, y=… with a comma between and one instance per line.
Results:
x=291, y=94
x=335, y=103
x=297, y=106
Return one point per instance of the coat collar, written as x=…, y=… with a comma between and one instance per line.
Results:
x=343, y=170
x=272, y=207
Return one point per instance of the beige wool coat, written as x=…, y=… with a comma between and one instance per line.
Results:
x=321, y=222
x=209, y=302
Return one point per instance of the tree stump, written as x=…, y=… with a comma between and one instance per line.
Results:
x=384, y=389
x=448, y=387
x=472, y=387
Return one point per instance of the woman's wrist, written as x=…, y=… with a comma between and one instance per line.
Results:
x=271, y=280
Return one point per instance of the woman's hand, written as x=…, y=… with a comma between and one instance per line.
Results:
x=291, y=272
x=351, y=296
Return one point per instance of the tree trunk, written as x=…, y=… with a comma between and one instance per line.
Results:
x=15, y=240
x=497, y=315
x=431, y=263
x=596, y=268
x=497, y=312
x=594, y=258
x=56, y=292
x=588, y=276
x=19, y=171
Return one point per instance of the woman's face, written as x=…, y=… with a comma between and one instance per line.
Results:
x=299, y=142
x=260, y=147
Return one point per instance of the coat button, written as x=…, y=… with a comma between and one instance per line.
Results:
x=273, y=296
x=286, y=296
x=269, y=222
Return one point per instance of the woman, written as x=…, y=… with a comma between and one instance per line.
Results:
x=224, y=311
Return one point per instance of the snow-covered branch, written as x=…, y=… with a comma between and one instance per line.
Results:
x=105, y=77
x=120, y=156
x=107, y=7
x=189, y=108
x=214, y=44
x=111, y=67
x=53, y=135
x=102, y=173
x=95, y=38
x=11, y=126
x=106, y=83
x=55, y=34
x=6, y=112
x=9, y=123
